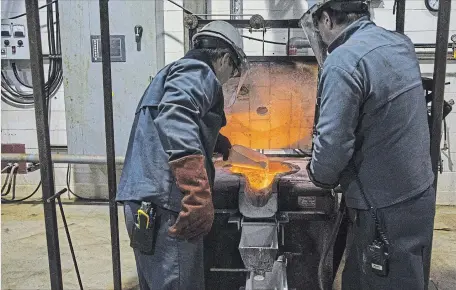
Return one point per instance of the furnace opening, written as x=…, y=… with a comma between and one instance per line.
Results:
x=262, y=111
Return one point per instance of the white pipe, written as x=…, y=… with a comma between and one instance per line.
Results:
x=60, y=158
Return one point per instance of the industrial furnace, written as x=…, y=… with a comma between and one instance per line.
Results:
x=272, y=226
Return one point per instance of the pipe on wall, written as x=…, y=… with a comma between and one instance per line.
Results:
x=60, y=158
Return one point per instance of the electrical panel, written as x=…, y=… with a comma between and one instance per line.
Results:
x=137, y=53
x=117, y=47
x=14, y=43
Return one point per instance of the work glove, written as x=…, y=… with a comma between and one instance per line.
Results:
x=223, y=146
x=197, y=214
x=316, y=182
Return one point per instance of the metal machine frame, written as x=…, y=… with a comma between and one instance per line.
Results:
x=230, y=275
x=46, y=162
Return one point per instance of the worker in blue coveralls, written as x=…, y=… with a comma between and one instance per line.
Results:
x=168, y=160
x=372, y=138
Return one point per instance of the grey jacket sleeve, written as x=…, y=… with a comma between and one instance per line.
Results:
x=341, y=97
x=188, y=93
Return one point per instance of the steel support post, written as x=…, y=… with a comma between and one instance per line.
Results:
x=400, y=16
x=44, y=148
x=110, y=150
x=441, y=52
x=236, y=9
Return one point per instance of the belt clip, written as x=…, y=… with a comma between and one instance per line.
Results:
x=146, y=215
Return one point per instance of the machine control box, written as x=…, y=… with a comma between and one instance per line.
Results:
x=303, y=196
x=117, y=48
x=14, y=41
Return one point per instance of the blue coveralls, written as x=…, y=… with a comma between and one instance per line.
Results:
x=373, y=115
x=180, y=114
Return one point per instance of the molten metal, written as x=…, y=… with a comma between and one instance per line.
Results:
x=259, y=179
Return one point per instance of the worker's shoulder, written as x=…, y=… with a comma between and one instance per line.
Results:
x=368, y=44
x=190, y=67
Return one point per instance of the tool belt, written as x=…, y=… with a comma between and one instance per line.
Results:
x=144, y=232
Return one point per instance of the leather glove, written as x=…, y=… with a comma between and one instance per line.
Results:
x=197, y=214
x=223, y=146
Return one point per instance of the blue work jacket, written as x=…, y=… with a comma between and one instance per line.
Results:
x=372, y=118
x=180, y=114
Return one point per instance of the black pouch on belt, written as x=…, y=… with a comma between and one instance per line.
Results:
x=145, y=229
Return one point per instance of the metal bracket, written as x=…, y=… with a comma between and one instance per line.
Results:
x=241, y=220
x=190, y=21
x=283, y=217
x=236, y=219
x=257, y=22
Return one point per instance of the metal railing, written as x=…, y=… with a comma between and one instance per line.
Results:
x=46, y=159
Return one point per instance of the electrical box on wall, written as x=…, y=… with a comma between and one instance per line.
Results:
x=137, y=53
x=117, y=46
x=18, y=149
x=14, y=43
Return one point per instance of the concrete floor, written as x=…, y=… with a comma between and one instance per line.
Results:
x=25, y=260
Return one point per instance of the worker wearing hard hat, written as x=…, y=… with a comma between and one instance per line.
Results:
x=372, y=138
x=167, y=180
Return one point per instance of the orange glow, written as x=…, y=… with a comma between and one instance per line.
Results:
x=259, y=179
x=277, y=112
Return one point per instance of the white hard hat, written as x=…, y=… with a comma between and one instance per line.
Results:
x=221, y=34
x=222, y=30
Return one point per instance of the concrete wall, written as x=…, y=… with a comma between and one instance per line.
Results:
x=420, y=25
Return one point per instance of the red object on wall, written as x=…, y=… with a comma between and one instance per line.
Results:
x=15, y=148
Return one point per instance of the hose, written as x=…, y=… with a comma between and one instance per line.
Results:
x=16, y=74
x=68, y=181
x=9, y=180
x=4, y=200
x=6, y=168
x=13, y=193
x=7, y=177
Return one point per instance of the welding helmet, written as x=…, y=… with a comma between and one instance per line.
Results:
x=221, y=34
x=309, y=22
